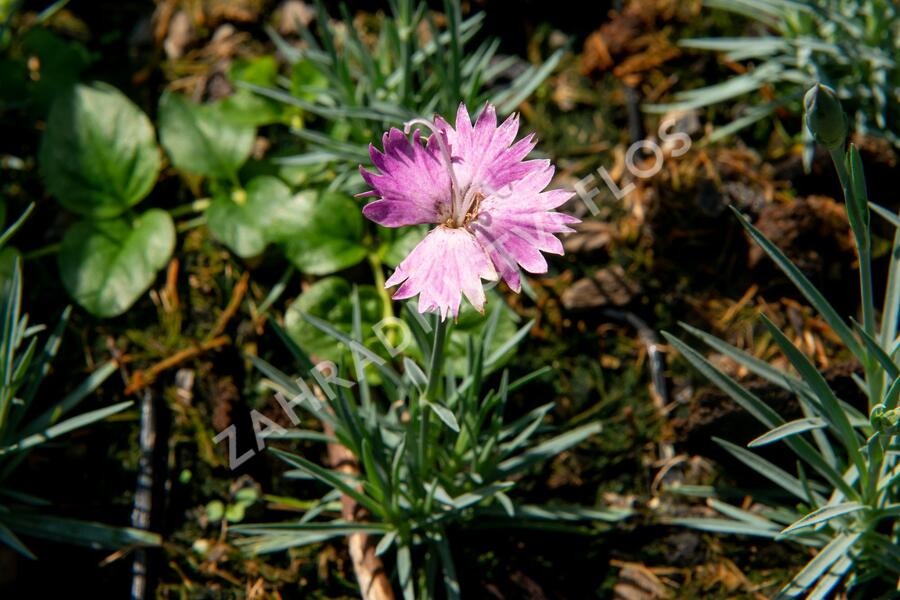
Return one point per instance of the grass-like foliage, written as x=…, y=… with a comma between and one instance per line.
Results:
x=434, y=449
x=359, y=88
x=843, y=497
x=850, y=45
x=23, y=364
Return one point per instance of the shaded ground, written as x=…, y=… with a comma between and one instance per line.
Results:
x=670, y=252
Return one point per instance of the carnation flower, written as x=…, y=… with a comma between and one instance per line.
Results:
x=489, y=206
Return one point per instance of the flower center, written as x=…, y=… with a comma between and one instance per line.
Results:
x=470, y=214
x=463, y=206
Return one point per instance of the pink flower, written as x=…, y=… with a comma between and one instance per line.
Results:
x=489, y=204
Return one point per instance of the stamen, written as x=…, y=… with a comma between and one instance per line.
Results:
x=468, y=200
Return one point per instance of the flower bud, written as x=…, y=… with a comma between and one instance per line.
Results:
x=825, y=117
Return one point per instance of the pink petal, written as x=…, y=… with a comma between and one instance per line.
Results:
x=413, y=182
x=484, y=154
x=514, y=225
x=445, y=265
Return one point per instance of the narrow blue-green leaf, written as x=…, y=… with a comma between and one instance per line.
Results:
x=385, y=543
x=557, y=512
x=891, y=307
x=751, y=116
x=376, y=360
x=330, y=478
x=830, y=554
x=415, y=373
x=477, y=495
x=12, y=229
x=826, y=513
x=81, y=533
x=788, y=429
x=444, y=414
x=64, y=427
x=878, y=352
x=834, y=412
x=12, y=540
x=889, y=216
x=72, y=399
x=524, y=427
x=755, y=365
x=404, y=572
x=773, y=473
x=523, y=86
x=41, y=366
x=451, y=583
x=336, y=526
x=740, y=514
x=511, y=343
x=548, y=449
x=831, y=578
x=303, y=360
x=813, y=295
x=725, y=526
x=268, y=544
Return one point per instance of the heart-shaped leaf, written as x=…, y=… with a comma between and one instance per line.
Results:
x=330, y=236
x=202, y=139
x=331, y=300
x=59, y=62
x=107, y=265
x=98, y=153
x=248, y=220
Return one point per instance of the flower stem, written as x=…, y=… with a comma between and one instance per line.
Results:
x=864, y=255
x=435, y=376
x=436, y=364
x=387, y=305
x=197, y=206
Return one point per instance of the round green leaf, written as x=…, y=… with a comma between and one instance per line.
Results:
x=202, y=139
x=330, y=237
x=60, y=62
x=331, y=300
x=98, y=153
x=246, y=221
x=107, y=265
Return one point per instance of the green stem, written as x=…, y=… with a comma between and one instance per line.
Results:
x=39, y=252
x=862, y=243
x=190, y=224
x=235, y=180
x=436, y=364
x=378, y=275
x=435, y=375
x=863, y=252
x=197, y=206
